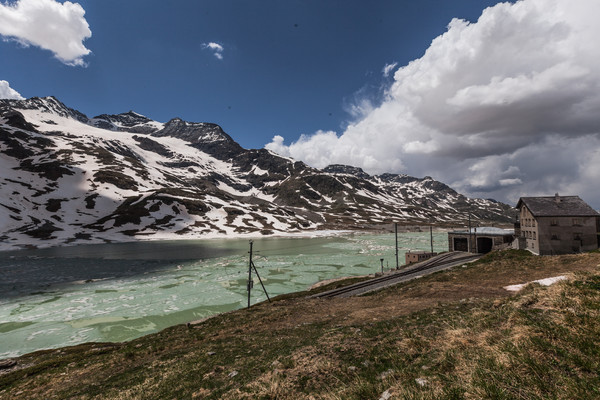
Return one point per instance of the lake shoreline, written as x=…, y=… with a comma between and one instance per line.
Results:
x=37, y=244
x=117, y=292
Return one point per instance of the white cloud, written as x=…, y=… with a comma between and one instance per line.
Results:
x=360, y=106
x=60, y=28
x=216, y=48
x=389, y=68
x=6, y=92
x=486, y=99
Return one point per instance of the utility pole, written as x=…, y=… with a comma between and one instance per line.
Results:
x=250, y=281
x=431, y=237
x=396, y=231
x=470, y=240
x=381, y=259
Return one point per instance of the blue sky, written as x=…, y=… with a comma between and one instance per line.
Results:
x=498, y=100
x=287, y=68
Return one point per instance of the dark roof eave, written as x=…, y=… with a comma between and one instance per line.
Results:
x=539, y=208
x=566, y=216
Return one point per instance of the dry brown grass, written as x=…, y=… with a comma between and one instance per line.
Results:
x=455, y=335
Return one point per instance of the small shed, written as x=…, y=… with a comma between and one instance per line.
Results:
x=480, y=240
x=411, y=257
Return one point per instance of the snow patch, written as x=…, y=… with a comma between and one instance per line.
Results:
x=543, y=282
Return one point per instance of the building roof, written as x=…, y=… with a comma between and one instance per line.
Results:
x=557, y=206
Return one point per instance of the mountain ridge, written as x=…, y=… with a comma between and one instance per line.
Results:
x=74, y=179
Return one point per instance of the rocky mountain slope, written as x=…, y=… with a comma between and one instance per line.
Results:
x=67, y=178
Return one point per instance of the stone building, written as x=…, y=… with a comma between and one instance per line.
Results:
x=557, y=225
x=412, y=257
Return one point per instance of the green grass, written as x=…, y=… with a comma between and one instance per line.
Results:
x=512, y=255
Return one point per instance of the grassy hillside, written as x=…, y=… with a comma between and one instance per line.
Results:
x=451, y=335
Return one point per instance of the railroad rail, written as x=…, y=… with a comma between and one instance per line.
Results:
x=438, y=263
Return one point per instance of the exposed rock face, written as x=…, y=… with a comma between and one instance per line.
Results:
x=68, y=178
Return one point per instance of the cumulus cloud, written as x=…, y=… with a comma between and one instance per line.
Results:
x=216, y=49
x=486, y=100
x=60, y=28
x=6, y=92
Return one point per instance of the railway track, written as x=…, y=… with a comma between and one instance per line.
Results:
x=434, y=264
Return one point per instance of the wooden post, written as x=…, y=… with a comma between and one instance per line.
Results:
x=431, y=237
x=250, y=282
x=261, y=282
x=469, y=244
x=396, y=231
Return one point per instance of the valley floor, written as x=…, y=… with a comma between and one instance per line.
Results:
x=454, y=334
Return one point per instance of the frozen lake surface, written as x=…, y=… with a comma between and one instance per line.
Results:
x=58, y=297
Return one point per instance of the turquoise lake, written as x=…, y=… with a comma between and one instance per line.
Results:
x=58, y=297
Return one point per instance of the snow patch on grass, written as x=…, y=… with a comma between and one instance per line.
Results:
x=543, y=282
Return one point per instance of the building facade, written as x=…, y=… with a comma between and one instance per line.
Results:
x=557, y=225
x=480, y=240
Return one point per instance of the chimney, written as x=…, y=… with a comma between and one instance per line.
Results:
x=557, y=198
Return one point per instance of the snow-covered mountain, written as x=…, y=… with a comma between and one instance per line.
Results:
x=67, y=178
